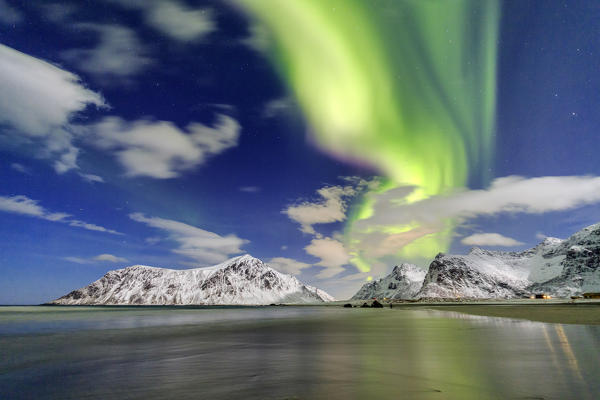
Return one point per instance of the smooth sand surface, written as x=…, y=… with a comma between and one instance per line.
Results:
x=557, y=311
x=586, y=313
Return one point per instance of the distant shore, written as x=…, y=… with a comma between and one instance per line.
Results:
x=556, y=311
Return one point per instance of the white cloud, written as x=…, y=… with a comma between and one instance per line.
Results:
x=512, y=194
x=358, y=276
x=288, y=265
x=153, y=240
x=258, y=39
x=276, y=107
x=77, y=260
x=68, y=159
x=38, y=100
x=91, y=178
x=38, y=97
x=331, y=208
x=176, y=20
x=8, y=14
x=58, y=12
x=180, y=22
x=20, y=168
x=90, y=227
x=540, y=235
x=23, y=205
x=332, y=255
x=429, y=217
x=250, y=189
x=96, y=259
x=198, y=244
x=159, y=149
x=490, y=239
x=109, y=258
x=119, y=53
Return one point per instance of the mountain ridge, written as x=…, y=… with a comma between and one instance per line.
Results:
x=561, y=268
x=242, y=280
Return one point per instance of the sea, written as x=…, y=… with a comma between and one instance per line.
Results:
x=290, y=352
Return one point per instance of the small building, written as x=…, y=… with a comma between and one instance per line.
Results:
x=540, y=296
x=591, y=295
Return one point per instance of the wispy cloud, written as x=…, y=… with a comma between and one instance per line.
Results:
x=332, y=255
x=276, y=107
x=159, y=149
x=490, y=239
x=91, y=227
x=288, y=265
x=91, y=177
x=109, y=258
x=9, y=15
x=119, y=54
x=23, y=205
x=20, y=168
x=258, y=39
x=174, y=18
x=95, y=260
x=57, y=12
x=77, y=260
x=195, y=243
x=250, y=189
x=540, y=235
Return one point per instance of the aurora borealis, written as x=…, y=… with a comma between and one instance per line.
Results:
x=407, y=87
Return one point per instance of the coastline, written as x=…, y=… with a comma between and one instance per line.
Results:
x=556, y=311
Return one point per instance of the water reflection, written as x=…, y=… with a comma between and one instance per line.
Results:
x=306, y=353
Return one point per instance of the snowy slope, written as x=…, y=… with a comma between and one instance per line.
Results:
x=402, y=283
x=240, y=280
x=479, y=274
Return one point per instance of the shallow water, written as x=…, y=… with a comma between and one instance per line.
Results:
x=290, y=353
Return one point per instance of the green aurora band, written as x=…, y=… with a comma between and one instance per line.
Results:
x=406, y=86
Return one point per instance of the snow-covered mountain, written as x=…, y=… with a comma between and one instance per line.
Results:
x=402, y=283
x=557, y=267
x=479, y=274
x=240, y=280
x=580, y=263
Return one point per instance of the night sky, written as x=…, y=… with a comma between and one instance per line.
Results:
x=332, y=139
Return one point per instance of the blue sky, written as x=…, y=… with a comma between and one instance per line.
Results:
x=155, y=133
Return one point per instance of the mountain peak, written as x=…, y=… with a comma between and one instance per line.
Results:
x=247, y=258
x=402, y=283
x=551, y=241
x=139, y=266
